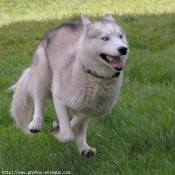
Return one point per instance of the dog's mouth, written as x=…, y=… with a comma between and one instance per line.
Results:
x=115, y=62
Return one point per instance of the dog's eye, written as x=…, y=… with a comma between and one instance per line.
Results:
x=121, y=36
x=105, y=38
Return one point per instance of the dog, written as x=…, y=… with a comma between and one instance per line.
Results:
x=80, y=66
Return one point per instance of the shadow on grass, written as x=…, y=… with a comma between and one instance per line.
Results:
x=145, y=33
x=153, y=32
x=152, y=43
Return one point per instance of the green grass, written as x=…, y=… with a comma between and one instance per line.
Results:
x=138, y=136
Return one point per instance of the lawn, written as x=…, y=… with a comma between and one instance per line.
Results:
x=138, y=136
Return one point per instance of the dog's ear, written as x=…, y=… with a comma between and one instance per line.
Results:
x=85, y=20
x=108, y=17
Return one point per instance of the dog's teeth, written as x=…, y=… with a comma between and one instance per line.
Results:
x=108, y=57
x=121, y=65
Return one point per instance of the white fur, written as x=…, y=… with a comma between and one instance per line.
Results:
x=58, y=70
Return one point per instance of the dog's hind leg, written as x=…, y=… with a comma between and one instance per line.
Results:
x=41, y=82
x=38, y=117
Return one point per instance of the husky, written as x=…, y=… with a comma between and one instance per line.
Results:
x=80, y=66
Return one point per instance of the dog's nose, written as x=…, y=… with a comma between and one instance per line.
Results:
x=122, y=50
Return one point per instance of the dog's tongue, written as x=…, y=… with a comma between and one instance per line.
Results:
x=116, y=62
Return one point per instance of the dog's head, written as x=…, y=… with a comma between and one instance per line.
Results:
x=104, y=46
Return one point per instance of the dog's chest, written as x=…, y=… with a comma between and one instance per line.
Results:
x=93, y=97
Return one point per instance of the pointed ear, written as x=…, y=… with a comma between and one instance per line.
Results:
x=85, y=20
x=109, y=17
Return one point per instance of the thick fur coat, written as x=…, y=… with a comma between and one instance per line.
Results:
x=79, y=65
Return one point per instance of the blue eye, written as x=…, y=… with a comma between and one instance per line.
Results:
x=121, y=36
x=105, y=38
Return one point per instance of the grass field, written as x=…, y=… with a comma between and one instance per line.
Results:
x=138, y=136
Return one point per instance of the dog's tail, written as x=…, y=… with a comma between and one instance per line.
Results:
x=22, y=103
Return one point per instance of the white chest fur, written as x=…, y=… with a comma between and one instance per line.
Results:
x=88, y=95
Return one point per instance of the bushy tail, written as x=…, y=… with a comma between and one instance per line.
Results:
x=22, y=103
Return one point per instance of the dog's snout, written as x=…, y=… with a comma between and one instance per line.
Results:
x=123, y=50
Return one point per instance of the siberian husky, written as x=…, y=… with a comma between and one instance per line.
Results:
x=79, y=65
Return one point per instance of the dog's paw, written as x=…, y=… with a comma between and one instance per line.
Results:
x=89, y=152
x=35, y=126
x=65, y=138
x=56, y=127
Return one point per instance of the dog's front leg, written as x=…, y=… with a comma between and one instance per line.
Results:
x=63, y=132
x=81, y=143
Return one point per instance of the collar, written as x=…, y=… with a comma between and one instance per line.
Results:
x=116, y=74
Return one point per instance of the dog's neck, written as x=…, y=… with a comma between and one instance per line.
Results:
x=116, y=74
